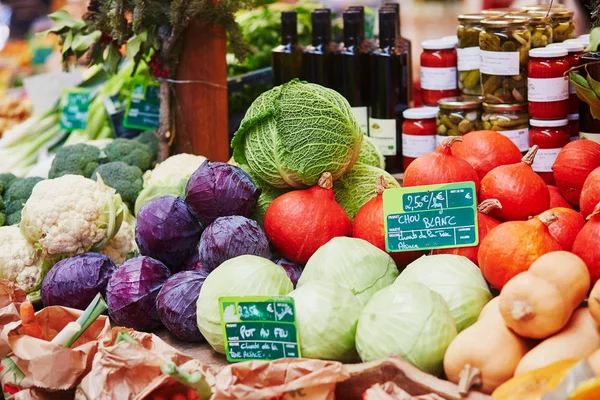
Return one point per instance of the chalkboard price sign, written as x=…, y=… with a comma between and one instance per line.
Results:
x=143, y=108
x=259, y=328
x=75, y=103
x=430, y=217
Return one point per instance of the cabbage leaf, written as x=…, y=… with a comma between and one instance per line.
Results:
x=370, y=154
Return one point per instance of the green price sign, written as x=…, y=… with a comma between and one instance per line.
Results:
x=259, y=328
x=143, y=107
x=430, y=217
x=75, y=103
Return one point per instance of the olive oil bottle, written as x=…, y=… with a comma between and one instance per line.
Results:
x=389, y=97
x=406, y=47
x=287, y=57
x=318, y=57
x=350, y=64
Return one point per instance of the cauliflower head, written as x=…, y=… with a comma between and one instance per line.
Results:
x=71, y=215
x=123, y=243
x=20, y=261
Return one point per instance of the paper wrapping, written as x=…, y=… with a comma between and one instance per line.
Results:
x=391, y=391
x=35, y=363
x=127, y=371
x=279, y=380
x=11, y=298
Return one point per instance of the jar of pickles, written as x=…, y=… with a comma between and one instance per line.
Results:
x=540, y=27
x=458, y=116
x=504, y=44
x=468, y=58
x=511, y=120
x=563, y=25
x=550, y=136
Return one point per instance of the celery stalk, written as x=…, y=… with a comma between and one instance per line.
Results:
x=195, y=380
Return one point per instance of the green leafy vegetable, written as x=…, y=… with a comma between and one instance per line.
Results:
x=125, y=179
x=370, y=154
x=586, y=94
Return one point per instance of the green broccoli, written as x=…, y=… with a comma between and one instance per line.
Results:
x=5, y=181
x=16, y=196
x=149, y=139
x=78, y=159
x=125, y=179
x=130, y=152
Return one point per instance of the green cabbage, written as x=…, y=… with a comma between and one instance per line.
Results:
x=411, y=321
x=354, y=264
x=370, y=154
x=240, y=276
x=326, y=317
x=357, y=187
x=293, y=133
x=456, y=279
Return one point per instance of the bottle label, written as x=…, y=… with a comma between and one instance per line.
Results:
x=590, y=136
x=362, y=117
x=415, y=145
x=438, y=78
x=520, y=137
x=439, y=139
x=550, y=89
x=499, y=62
x=544, y=160
x=383, y=133
x=468, y=59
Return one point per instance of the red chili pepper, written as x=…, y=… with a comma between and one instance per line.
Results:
x=11, y=389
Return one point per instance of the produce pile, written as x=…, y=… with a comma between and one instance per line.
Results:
x=301, y=214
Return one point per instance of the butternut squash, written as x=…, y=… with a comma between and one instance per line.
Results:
x=594, y=361
x=539, y=302
x=594, y=302
x=485, y=354
x=578, y=339
x=588, y=390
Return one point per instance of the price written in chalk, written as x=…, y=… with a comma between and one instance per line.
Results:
x=430, y=217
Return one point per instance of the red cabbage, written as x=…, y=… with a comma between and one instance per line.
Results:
x=229, y=237
x=176, y=304
x=218, y=189
x=293, y=270
x=132, y=290
x=167, y=231
x=75, y=281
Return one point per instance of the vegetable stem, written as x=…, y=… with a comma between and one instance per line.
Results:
x=125, y=337
x=91, y=313
x=468, y=377
x=67, y=332
x=196, y=380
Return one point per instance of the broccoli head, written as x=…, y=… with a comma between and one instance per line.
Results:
x=125, y=179
x=5, y=181
x=130, y=152
x=16, y=196
x=149, y=139
x=78, y=159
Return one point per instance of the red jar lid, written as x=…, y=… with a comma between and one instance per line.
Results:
x=548, y=52
x=438, y=44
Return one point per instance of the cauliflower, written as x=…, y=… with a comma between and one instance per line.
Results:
x=71, y=214
x=123, y=244
x=20, y=261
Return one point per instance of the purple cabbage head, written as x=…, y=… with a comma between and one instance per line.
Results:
x=132, y=290
x=194, y=264
x=218, y=189
x=167, y=231
x=176, y=305
x=75, y=281
x=293, y=270
x=229, y=237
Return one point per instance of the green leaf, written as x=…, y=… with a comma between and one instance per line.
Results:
x=594, y=85
x=62, y=19
x=82, y=43
x=594, y=40
x=134, y=45
x=112, y=59
x=586, y=94
x=68, y=42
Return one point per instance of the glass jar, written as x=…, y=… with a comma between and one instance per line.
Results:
x=504, y=44
x=467, y=52
x=543, y=7
x=511, y=120
x=575, y=50
x=418, y=133
x=563, y=25
x=540, y=27
x=548, y=86
x=574, y=126
x=438, y=71
x=451, y=38
x=458, y=116
x=550, y=136
x=499, y=12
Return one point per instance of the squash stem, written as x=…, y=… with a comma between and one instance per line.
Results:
x=520, y=310
x=468, y=377
x=528, y=158
x=381, y=184
x=326, y=180
x=548, y=217
x=489, y=205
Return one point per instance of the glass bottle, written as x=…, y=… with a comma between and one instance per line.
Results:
x=406, y=47
x=287, y=57
x=318, y=56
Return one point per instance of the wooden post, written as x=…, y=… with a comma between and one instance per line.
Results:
x=200, y=108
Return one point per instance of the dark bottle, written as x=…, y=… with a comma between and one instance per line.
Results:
x=406, y=46
x=350, y=65
x=287, y=57
x=318, y=57
x=388, y=97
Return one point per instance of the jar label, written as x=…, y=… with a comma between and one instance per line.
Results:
x=519, y=137
x=590, y=136
x=468, y=59
x=438, y=78
x=439, y=139
x=383, y=133
x=549, y=89
x=416, y=145
x=499, y=62
x=362, y=117
x=544, y=160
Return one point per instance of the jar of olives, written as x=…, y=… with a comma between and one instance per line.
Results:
x=540, y=27
x=458, y=116
x=563, y=25
x=467, y=52
x=504, y=45
x=544, y=7
x=511, y=120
